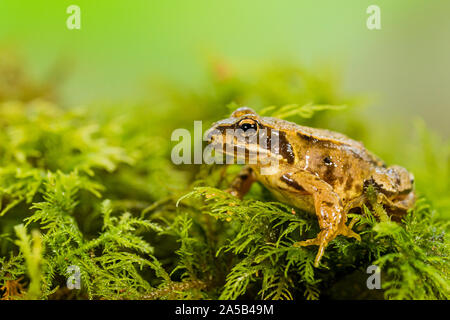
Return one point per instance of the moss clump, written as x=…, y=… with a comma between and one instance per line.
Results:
x=95, y=188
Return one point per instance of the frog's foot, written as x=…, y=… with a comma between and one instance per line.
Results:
x=323, y=238
x=242, y=183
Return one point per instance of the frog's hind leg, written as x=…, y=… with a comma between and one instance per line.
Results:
x=397, y=207
x=402, y=202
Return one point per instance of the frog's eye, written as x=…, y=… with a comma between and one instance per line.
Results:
x=248, y=124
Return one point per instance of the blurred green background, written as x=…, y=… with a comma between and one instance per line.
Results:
x=404, y=67
x=138, y=69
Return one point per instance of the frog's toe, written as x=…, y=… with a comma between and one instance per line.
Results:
x=309, y=242
x=348, y=232
x=353, y=234
x=352, y=223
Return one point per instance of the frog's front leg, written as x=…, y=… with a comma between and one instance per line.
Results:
x=328, y=206
x=242, y=183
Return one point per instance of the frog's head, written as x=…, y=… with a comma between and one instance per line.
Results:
x=245, y=134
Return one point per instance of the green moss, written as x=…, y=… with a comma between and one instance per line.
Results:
x=96, y=188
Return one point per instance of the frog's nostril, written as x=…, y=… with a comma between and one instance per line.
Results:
x=209, y=135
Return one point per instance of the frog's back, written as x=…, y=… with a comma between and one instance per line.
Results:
x=328, y=140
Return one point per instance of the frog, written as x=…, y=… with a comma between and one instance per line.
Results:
x=319, y=171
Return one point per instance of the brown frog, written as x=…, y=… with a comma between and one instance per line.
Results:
x=319, y=171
